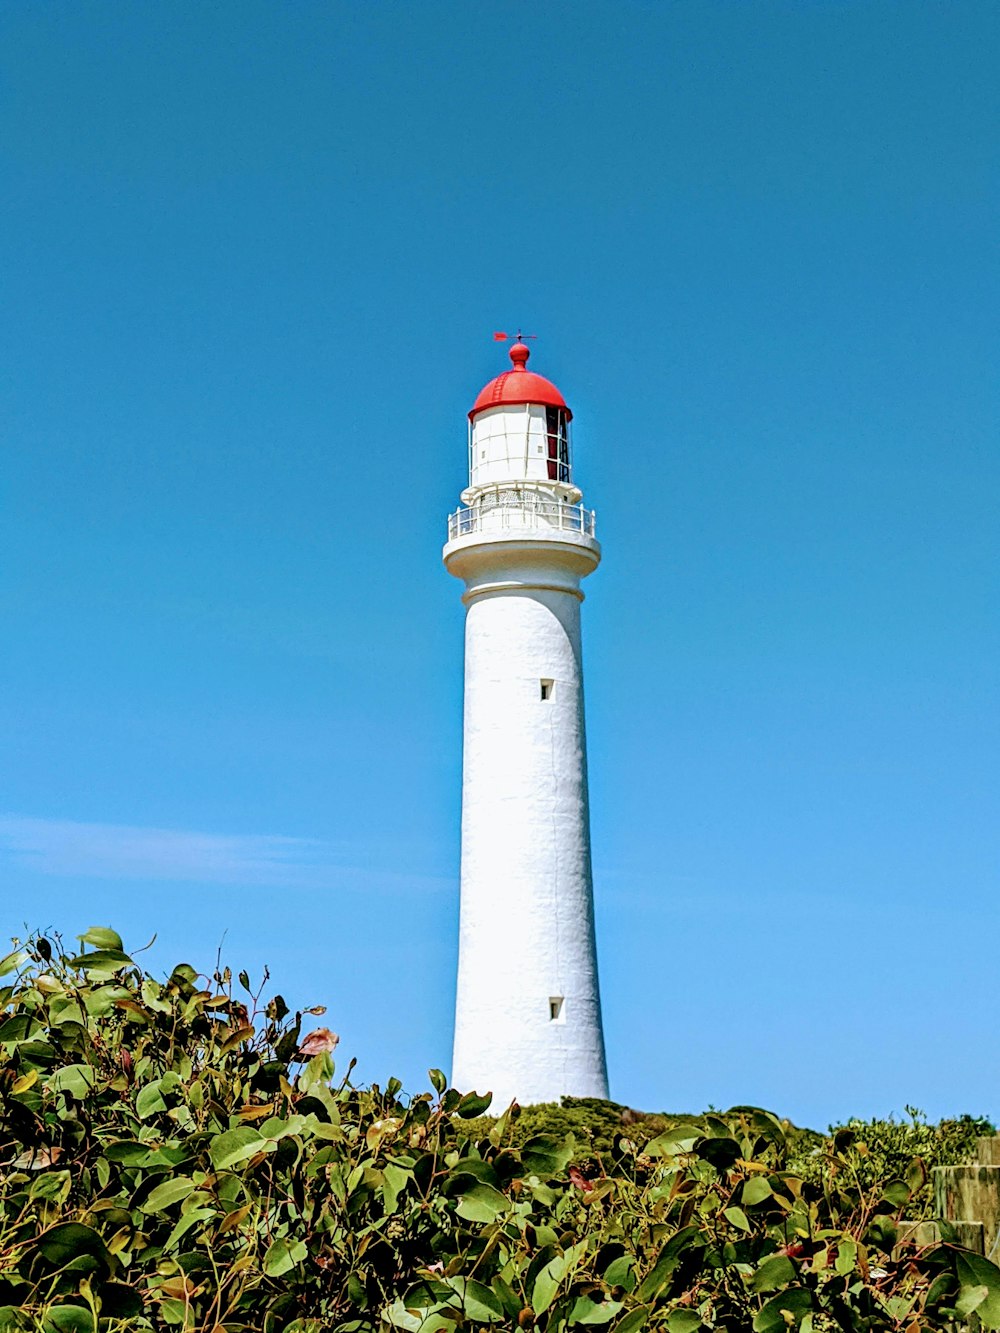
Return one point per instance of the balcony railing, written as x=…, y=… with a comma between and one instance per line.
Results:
x=521, y=514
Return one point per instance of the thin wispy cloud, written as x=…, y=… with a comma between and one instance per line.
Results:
x=68, y=848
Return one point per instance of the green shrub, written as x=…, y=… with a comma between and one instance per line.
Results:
x=175, y=1155
x=595, y=1126
x=881, y=1150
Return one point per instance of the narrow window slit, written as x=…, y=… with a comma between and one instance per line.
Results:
x=545, y=689
x=555, y=1008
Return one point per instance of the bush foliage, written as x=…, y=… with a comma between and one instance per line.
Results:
x=876, y=1151
x=175, y=1154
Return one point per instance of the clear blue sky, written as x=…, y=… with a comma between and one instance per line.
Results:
x=253, y=257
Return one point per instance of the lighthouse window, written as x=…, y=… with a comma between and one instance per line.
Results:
x=545, y=689
x=556, y=1009
x=557, y=435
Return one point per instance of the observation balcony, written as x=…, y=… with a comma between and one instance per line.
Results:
x=520, y=512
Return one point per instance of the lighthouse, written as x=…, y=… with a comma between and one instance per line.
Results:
x=528, y=1008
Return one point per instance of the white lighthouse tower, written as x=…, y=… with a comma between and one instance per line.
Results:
x=528, y=1010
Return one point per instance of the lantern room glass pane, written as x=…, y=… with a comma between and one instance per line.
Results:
x=557, y=439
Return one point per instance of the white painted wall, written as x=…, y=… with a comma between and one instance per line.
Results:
x=526, y=923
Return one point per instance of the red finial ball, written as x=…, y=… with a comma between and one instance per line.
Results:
x=519, y=354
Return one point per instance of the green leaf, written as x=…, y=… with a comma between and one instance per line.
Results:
x=425, y=1295
x=507, y=1297
x=589, y=1312
x=192, y=1218
x=20, y=1027
x=478, y=1302
x=101, y=937
x=396, y=1316
x=167, y=1194
x=897, y=1192
x=776, y=1271
x=669, y=1258
x=174, y=1311
x=551, y=1275
x=236, y=1145
x=74, y=1079
x=102, y=960
x=481, y=1203
x=795, y=1303
x=466, y=1172
x=723, y=1153
x=916, y=1175
x=546, y=1156
x=683, y=1321
x=69, y=1319
x=71, y=1240
x=681, y=1138
x=941, y=1291
x=129, y=1152
x=283, y=1256
x=547, y=1284
x=634, y=1320
x=472, y=1104
x=65, y=1009
x=973, y=1271
x=756, y=1191
x=847, y=1258
x=737, y=1217
x=882, y=1234
x=12, y=961
x=277, y=1127
x=52, y=1186
x=237, y=1039
x=395, y=1181
x=619, y=1271
x=149, y=1101
x=119, y=1301
x=969, y=1299
x=438, y=1081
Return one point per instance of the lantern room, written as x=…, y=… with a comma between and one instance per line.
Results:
x=519, y=430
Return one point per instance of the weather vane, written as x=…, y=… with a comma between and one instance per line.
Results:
x=518, y=337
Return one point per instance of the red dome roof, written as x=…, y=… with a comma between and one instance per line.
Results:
x=519, y=386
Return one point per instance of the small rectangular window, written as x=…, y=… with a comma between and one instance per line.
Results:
x=545, y=689
x=555, y=1008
